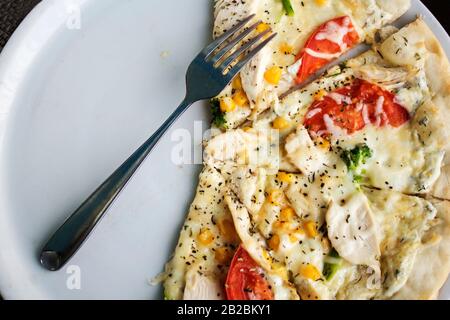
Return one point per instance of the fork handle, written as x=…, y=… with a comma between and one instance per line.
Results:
x=70, y=236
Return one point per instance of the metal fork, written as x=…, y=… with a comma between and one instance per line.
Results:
x=210, y=72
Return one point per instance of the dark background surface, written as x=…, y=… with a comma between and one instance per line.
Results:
x=12, y=13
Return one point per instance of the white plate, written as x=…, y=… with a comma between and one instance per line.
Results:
x=74, y=103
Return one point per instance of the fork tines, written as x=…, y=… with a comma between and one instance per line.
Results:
x=236, y=47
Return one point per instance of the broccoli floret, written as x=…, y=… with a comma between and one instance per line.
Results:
x=218, y=117
x=356, y=157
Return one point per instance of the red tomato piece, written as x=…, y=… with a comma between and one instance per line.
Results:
x=353, y=107
x=245, y=280
x=329, y=41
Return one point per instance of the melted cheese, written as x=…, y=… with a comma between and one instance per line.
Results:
x=302, y=152
x=239, y=148
x=248, y=184
x=353, y=232
x=398, y=161
x=339, y=98
x=322, y=55
x=190, y=256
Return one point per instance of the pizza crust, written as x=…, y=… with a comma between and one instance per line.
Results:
x=432, y=264
x=394, y=7
x=422, y=47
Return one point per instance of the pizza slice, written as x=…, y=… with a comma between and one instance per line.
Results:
x=310, y=34
x=383, y=114
x=330, y=244
x=328, y=193
x=207, y=243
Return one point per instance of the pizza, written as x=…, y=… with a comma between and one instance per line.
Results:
x=338, y=190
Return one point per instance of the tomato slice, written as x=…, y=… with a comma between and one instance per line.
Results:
x=353, y=107
x=329, y=41
x=245, y=280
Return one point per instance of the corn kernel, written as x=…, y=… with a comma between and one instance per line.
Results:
x=309, y=271
x=285, y=177
x=240, y=98
x=280, y=123
x=227, y=230
x=205, y=237
x=266, y=255
x=299, y=231
x=247, y=129
x=223, y=255
x=273, y=75
x=293, y=238
x=323, y=143
x=287, y=214
x=237, y=83
x=321, y=2
x=320, y=94
x=280, y=270
x=227, y=105
x=262, y=27
x=276, y=197
x=286, y=48
x=310, y=229
x=274, y=242
x=281, y=226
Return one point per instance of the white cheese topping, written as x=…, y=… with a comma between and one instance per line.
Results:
x=323, y=55
x=335, y=33
x=359, y=106
x=339, y=98
x=293, y=69
x=313, y=112
x=379, y=112
x=365, y=114
x=332, y=128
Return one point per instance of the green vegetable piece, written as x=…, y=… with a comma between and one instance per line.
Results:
x=332, y=265
x=330, y=270
x=218, y=117
x=333, y=253
x=356, y=157
x=287, y=5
